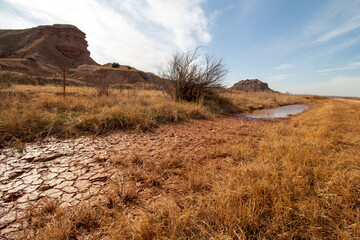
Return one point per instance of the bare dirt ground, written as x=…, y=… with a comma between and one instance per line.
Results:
x=356, y=101
x=74, y=171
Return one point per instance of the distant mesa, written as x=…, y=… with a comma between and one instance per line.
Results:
x=251, y=85
x=45, y=50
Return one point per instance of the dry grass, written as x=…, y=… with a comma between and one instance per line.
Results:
x=292, y=179
x=50, y=221
x=260, y=100
x=33, y=112
x=302, y=183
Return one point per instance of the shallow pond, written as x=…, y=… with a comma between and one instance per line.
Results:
x=280, y=112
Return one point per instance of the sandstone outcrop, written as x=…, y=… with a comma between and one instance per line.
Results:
x=43, y=49
x=251, y=85
x=123, y=74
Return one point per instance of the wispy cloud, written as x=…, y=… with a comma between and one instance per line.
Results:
x=277, y=77
x=351, y=66
x=346, y=43
x=139, y=33
x=348, y=26
x=335, y=19
x=284, y=66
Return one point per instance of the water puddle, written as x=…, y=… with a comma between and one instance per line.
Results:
x=280, y=112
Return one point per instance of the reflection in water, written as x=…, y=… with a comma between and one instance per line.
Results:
x=281, y=112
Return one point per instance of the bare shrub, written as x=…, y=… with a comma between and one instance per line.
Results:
x=102, y=87
x=190, y=80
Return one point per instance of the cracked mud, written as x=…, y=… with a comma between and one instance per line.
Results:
x=67, y=170
x=78, y=170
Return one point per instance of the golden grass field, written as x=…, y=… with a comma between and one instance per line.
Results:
x=30, y=113
x=297, y=178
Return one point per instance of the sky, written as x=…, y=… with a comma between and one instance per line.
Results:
x=302, y=47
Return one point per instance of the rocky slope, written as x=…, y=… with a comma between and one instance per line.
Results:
x=251, y=85
x=123, y=74
x=44, y=51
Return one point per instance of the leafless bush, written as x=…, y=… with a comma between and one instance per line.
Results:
x=187, y=79
x=102, y=88
x=102, y=85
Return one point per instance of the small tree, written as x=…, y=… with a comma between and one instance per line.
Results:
x=189, y=80
x=115, y=65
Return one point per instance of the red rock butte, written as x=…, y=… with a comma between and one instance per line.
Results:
x=251, y=85
x=44, y=48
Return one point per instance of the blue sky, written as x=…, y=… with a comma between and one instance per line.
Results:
x=303, y=46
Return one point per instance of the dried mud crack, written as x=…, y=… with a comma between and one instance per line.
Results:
x=74, y=171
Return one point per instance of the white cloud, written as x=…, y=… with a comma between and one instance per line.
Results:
x=276, y=78
x=355, y=64
x=348, y=26
x=346, y=43
x=351, y=66
x=338, y=86
x=284, y=66
x=335, y=19
x=139, y=33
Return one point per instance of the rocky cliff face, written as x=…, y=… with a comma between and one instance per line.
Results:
x=45, y=48
x=251, y=85
x=44, y=51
